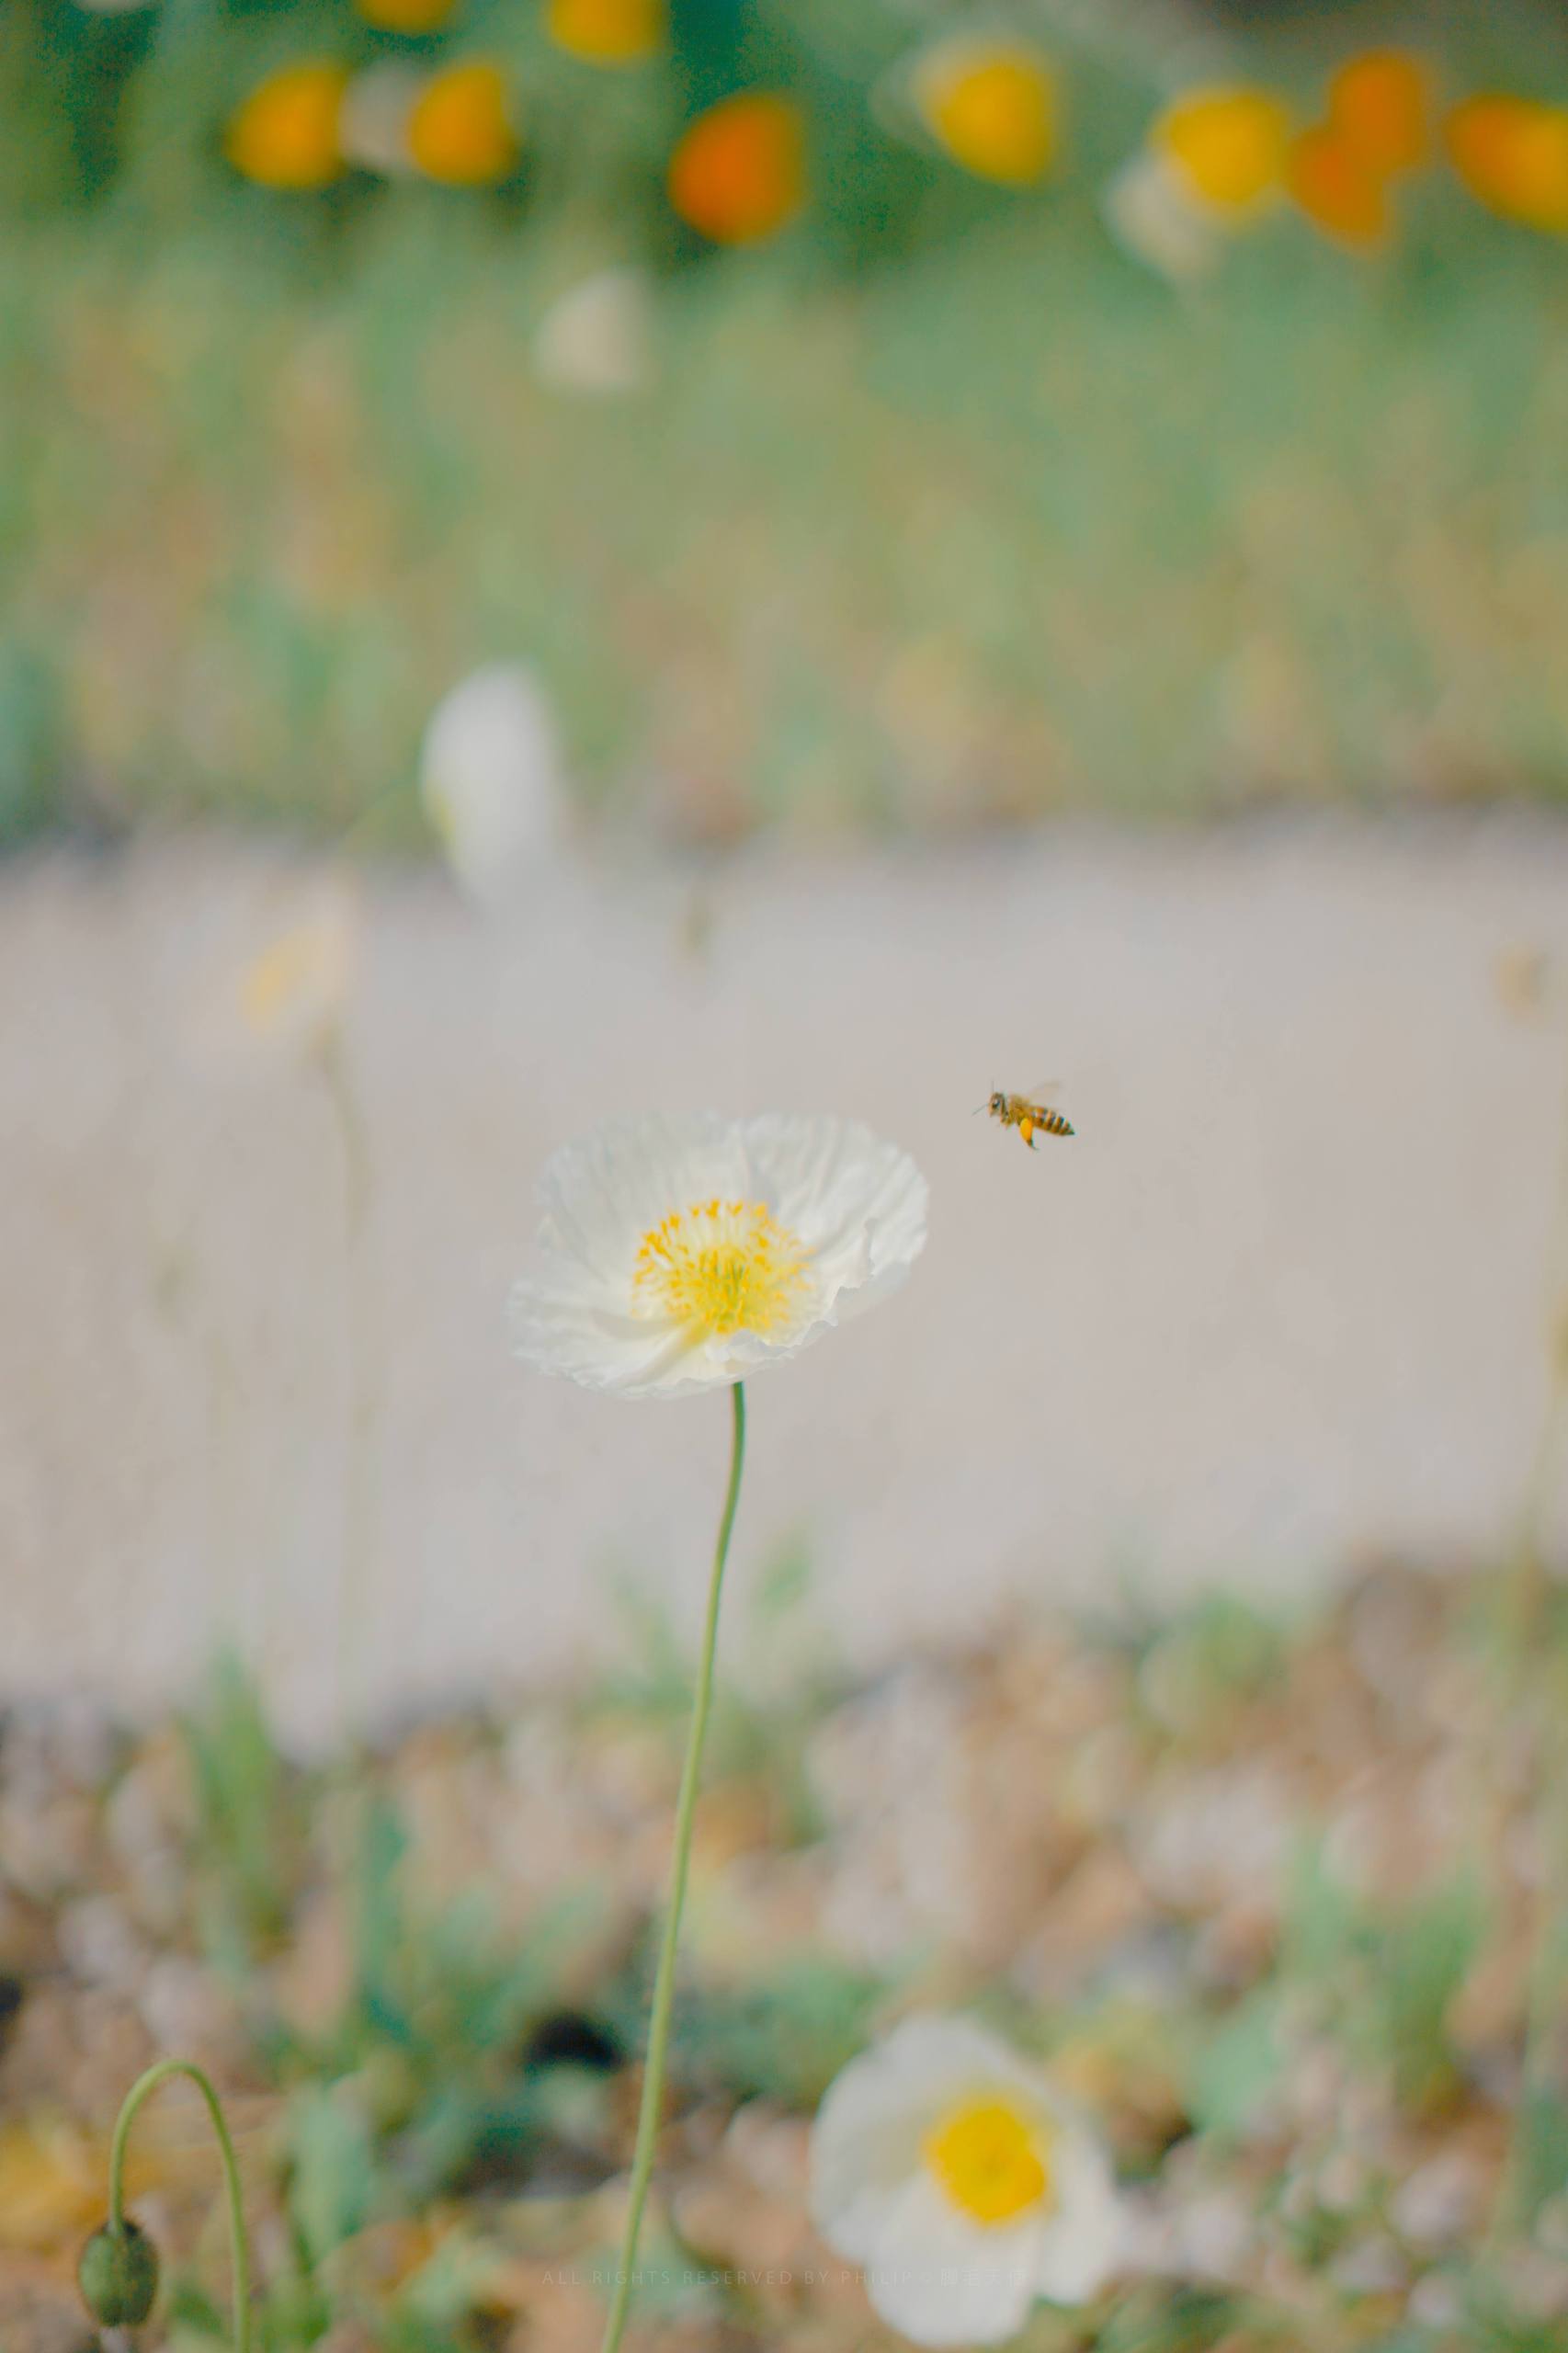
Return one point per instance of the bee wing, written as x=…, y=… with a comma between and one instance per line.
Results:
x=1042, y=1091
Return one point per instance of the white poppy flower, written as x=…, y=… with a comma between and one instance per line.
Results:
x=947, y=2167
x=685, y=1252
x=490, y=777
x=598, y=336
x=372, y=122
x=1155, y=220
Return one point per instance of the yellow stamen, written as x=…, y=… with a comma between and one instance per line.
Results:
x=720, y=1267
x=991, y=2162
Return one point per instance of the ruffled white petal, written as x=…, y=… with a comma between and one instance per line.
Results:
x=855, y=1204
x=943, y=2280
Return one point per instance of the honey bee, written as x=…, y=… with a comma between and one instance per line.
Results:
x=1030, y=1114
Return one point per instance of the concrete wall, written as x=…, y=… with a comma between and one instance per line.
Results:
x=1281, y=1301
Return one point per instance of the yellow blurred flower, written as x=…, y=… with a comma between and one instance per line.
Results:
x=405, y=15
x=739, y=172
x=993, y=104
x=1379, y=104
x=1228, y=148
x=459, y=129
x=1512, y=154
x=608, y=32
x=50, y=2185
x=285, y=133
x=1337, y=190
x=294, y=990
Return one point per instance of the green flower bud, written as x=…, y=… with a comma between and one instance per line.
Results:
x=119, y=2275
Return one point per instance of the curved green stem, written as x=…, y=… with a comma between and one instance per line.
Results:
x=664, y=1982
x=238, y=2241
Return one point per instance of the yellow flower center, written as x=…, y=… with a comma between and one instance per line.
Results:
x=720, y=1267
x=990, y=2161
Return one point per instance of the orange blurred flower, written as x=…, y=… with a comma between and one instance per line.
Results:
x=1337, y=190
x=459, y=128
x=608, y=32
x=405, y=15
x=1227, y=147
x=992, y=105
x=1512, y=154
x=739, y=172
x=1380, y=107
x=285, y=133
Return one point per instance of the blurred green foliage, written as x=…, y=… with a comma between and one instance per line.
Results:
x=939, y=509
x=248, y=1842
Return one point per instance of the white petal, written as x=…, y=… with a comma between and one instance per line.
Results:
x=943, y=2280
x=857, y=1203
x=601, y=1195
x=1082, y=2240
x=598, y=336
x=1153, y=219
x=557, y=1331
x=490, y=775
x=372, y=122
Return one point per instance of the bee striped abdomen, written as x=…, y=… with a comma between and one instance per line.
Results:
x=1029, y=1117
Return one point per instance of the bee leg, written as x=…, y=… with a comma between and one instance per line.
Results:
x=1026, y=1128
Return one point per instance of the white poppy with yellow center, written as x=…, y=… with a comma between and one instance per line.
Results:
x=685, y=1252
x=946, y=2164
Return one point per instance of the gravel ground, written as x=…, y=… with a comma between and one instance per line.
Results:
x=1277, y=1308
x=1270, y=1908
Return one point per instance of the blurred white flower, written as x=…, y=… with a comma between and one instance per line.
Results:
x=684, y=1254
x=372, y=127
x=1153, y=218
x=947, y=2166
x=491, y=781
x=598, y=336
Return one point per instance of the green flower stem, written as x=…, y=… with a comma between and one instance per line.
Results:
x=238, y=2240
x=664, y=1982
